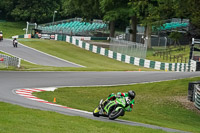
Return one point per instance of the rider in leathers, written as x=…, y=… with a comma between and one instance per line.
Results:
x=130, y=95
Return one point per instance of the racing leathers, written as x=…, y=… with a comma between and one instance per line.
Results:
x=130, y=102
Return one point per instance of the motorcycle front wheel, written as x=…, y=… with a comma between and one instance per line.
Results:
x=115, y=114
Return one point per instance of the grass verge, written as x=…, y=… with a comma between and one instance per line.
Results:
x=91, y=61
x=184, y=53
x=162, y=103
x=16, y=119
x=12, y=28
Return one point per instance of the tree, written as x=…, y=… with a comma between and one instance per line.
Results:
x=114, y=10
x=85, y=9
x=35, y=10
x=6, y=7
x=194, y=9
x=189, y=9
x=147, y=12
x=175, y=36
x=132, y=14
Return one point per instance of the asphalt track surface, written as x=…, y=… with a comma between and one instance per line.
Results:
x=34, y=56
x=11, y=80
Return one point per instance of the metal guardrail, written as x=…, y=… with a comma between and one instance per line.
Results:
x=194, y=93
x=6, y=61
x=197, y=96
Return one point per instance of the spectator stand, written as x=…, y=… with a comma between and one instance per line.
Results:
x=161, y=31
x=73, y=27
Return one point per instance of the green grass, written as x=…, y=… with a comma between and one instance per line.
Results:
x=16, y=28
x=16, y=119
x=155, y=103
x=3, y=53
x=64, y=50
x=12, y=28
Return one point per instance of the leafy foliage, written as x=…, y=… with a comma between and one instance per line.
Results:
x=139, y=11
x=80, y=8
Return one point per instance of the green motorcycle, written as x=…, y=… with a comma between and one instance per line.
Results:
x=113, y=109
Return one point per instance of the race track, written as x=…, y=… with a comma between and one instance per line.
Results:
x=11, y=80
x=16, y=80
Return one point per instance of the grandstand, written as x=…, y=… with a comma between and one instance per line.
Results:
x=173, y=24
x=161, y=31
x=74, y=26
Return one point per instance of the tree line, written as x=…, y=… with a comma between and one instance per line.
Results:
x=125, y=12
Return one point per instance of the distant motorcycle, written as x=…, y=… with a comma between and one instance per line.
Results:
x=15, y=42
x=113, y=109
x=1, y=36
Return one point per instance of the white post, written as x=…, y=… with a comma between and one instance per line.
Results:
x=19, y=63
x=165, y=42
x=35, y=25
x=192, y=41
x=54, y=13
x=27, y=27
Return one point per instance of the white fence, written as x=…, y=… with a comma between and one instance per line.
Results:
x=128, y=48
x=6, y=61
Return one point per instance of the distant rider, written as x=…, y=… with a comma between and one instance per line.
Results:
x=15, y=42
x=130, y=95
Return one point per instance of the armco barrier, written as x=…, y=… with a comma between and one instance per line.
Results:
x=197, y=95
x=179, y=67
x=191, y=91
x=9, y=61
x=194, y=93
x=22, y=36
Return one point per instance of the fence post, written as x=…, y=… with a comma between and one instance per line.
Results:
x=167, y=56
x=174, y=58
x=181, y=59
x=163, y=55
x=1, y=61
x=19, y=63
x=6, y=61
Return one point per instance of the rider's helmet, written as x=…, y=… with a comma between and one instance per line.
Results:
x=131, y=94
